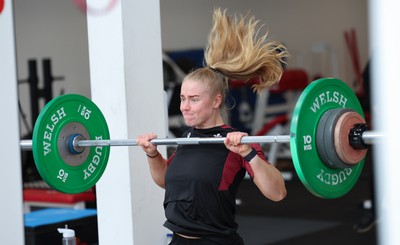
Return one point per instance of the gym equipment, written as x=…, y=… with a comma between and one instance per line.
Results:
x=328, y=140
x=64, y=118
x=318, y=109
x=36, y=93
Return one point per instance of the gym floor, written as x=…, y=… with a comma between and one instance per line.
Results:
x=302, y=218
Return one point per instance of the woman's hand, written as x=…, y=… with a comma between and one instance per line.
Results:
x=267, y=178
x=157, y=164
x=232, y=142
x=147, y=146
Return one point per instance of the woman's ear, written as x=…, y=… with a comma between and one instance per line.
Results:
x=217, y=101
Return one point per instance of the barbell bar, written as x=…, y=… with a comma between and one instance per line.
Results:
x=27, y=144
x=328, y=140
x=368, y=137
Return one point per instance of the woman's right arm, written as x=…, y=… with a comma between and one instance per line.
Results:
x=157, y=164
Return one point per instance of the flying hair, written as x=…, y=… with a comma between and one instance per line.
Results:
x=238, y=51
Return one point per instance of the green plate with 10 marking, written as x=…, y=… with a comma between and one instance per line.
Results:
x=320, y=96
x=62, y=118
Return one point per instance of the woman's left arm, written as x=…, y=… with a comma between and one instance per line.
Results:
x=268, y=179
x=266, y=176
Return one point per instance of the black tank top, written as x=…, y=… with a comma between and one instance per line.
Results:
x=201, y=185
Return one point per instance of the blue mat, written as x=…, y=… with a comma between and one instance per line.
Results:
x=55, y=215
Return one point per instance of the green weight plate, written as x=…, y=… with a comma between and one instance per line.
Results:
x=61, y=117
x=320, y=96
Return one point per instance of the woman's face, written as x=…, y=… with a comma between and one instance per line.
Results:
x=199, y=107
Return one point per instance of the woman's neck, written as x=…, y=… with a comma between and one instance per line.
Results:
x=211, y=123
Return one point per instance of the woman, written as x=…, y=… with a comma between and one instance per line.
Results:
x=201, y=181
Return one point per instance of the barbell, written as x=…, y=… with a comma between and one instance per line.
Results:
x=328, y=140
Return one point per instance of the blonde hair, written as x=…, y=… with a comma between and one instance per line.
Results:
x=235, y=51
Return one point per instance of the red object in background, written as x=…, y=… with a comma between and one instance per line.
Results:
x=281, y=119
x=81, y=4
x=40, y=195
x=292, y=79
x=1, y=6
x=351, y=42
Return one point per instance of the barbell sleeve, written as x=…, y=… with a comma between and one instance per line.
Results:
x=26, y=145
x=372, y=137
